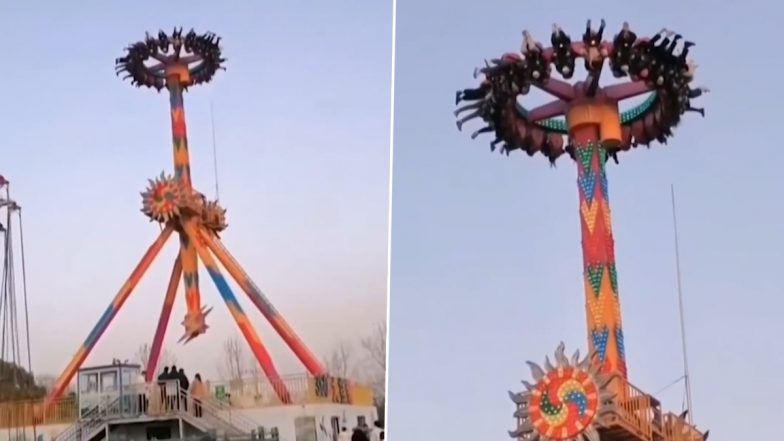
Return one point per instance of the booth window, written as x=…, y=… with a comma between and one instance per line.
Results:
x=109, y=381
x=90, y=385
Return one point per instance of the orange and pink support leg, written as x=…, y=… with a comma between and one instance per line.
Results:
x=246, y=328
x=122, y=295
x=264, y=306
x=163, y=320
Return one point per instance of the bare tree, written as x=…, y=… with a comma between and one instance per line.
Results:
x=143, y=357
x=234, y=358
x=340, y=363
x=375, y=348
x=46, y=381
x=256, y=375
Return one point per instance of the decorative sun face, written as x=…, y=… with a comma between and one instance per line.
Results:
x=568, y=402
x=162, y=200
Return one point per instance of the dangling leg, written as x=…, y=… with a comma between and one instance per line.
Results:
x=588, y=32
x=673, y=44
x=696, y=93
x=263, y=304
x=466, y=118
x=600, y=32
x=495, y=142
x=472, y=106
x=125, y=291
x=485, y=129
x=684, y=53
x=699, y=110
x=263, y=357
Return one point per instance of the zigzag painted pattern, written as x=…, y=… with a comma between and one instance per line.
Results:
x=601, y=285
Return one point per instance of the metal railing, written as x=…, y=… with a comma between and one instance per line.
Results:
x=25, y=413
x=251, y=392
x=676, y=429
x=257, y=391
x=90, y=421
x=641, y=413
x=160, y=400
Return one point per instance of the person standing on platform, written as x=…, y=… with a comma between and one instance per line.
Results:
x=162, y=378
x=198, y=393
x=359, y=435
x=173, y=395
x=184, y=388
x=140, y=387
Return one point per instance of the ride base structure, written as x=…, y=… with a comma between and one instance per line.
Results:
x=589, y=398
x=176, y=62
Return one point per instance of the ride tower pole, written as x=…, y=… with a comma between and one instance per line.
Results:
x=177, y=77
x=594, y=125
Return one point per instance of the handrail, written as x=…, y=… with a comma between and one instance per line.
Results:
x=23, y=413
x=677, y=429
x=218, y=408
x=93, y=419
x=253, y=392
x=641, y=413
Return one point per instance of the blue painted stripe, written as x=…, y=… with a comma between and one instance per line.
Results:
x=224, y=289
x=600, y=337
x=619, y=342
x=101, y=326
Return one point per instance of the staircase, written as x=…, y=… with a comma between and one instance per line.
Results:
x=91, y=422
x=216, y=417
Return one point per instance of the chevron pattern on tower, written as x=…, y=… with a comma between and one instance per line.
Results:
x=600, y=275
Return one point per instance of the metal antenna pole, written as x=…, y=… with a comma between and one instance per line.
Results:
x=214, y=152
x=686, y=376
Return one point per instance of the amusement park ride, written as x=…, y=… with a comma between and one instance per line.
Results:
x=589, y=398
x=176, y=62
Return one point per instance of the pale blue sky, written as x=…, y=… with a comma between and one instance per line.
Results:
x=302, y=120
x=486, y=266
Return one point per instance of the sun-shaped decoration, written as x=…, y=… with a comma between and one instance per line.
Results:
x=214, y=216
x=163, y=198
x=568, y=402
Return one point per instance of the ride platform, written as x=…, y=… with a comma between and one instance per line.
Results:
x=638, y=416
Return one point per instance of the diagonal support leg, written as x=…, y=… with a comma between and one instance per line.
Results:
x=125, y=291
x=163, y=320
x=263, y=304
x=239, y=315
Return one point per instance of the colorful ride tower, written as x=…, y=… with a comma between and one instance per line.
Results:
x=176, y=62
x=589, y=398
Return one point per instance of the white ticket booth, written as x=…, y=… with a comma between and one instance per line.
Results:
x=101, y=386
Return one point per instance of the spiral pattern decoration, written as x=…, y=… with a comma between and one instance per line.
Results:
x=567, y=402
